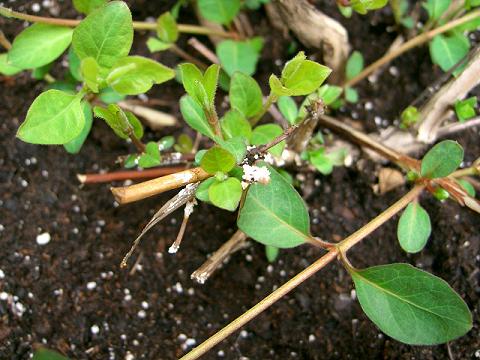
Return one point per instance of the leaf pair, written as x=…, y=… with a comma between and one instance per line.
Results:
x=200, y=87
x=167, y=32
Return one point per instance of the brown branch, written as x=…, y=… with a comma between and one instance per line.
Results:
x=127, y=175
x=184, y=55
x=202, y=49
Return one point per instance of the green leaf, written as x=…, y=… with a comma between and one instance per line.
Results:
x=217, y=159
x=436, y=8
x=195, y=116
x=234, y=124
x=263, y=134
x=321, y=161
x=363, y=6
x=237, y=146
x=46, y=354
x=301, y=76
x=40, y=72
x=154, y=45
x=442, y=159
x=354, y=65
x=414, y=228
x=447, y=51
x=288, y=108
x=201, y=87
x=74, y=146
x=151, y=157
x=184, y=144
x=90, y=73
x=202, y=190
x=411, y=305
x=329, y=93
x=6, y=68
x=210, y=81
x=277, y=88
x=74, y=64
x=106, y=34
x=226, y=194
x=239, y=55
x=167, y=29
x=166, y=142
x=410, y=116
x=87, y=6
x=39, y=45
x=110, y=96
x=275, y=214
x=122, y=123
x=219, y=11
x=141, y=75
x=271, y=252
x=245, y=94
x=467, y=186
x=54, y=118
x=351, y=95
x=465, y=109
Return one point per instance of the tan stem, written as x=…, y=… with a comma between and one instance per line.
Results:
x=416, y=41
x=127, y=194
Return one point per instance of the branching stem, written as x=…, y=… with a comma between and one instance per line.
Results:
x=271, y=99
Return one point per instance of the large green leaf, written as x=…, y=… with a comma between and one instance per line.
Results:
x=54, y=118
x=76, y=144
x=39, y=45
x=414, y=228
x=195, y=116
x=219, y=11
x=442, y=159
x=233, y=124
x=275, y=214
x=239, y=55
x=447, y=51
x=106, y=34
x=411, y=305
x=134, y=75
x=245, y=94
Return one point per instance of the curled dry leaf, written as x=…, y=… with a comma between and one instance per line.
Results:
x=388, y=179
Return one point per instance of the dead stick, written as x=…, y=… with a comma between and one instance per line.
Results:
x=128, y=175
x=202, y=49
x=136, y=192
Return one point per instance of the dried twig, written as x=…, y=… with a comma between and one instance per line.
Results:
x=202, y=49
x=127, y=175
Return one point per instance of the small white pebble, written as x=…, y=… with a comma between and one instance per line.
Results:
x=182, y=337
x=248, y=257
x=2, y=274
x=178, y=288
x=270, y=268
x=94, y=329
x=221, y=353
x=24, y=183
x=244, y=334
x=145, y=305
x=190, y=342
x=311, y=338
x=142, y=314
x=3, y=296
x=129, y=356
x=91, y=285
x=43, y=239
x=36, y=7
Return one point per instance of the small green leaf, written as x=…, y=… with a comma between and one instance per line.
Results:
x=167, y=29
x=363, y=6
x=329, y=93
x=263, y=134
x=277, y=88
x=354, y=65
x=226, y=194
x=239, y=55
x=210, y=81
x=217, y=159
x=436, y=8
x=351, y=95
x=122, y=123
x=410, y=116
x=237, y=146
x=166, y=142
x=6, y=68
x=90, y=73
x=275, y=214
x=74, y=146
x=155, y=45
x=288, y=108
x=245, y=94
x=442, y=159
x=184, y=144
x=151, y=157
x=202, y=190
x=40, y=72
x=106, y=34
x=302, y=77
x=39, y=45
x=46, y=354
x=447, y=51
x=321, y=161
x=87, y=6
x=414, y=228
x=54, y=118
x=411, y=305
x=140, y=75
x=201, y=87
x=271, y=252
x=195, y=116
x=219, y=11
x=110, y=96
x=467, y=186
x=465, y=109
x=234, y=124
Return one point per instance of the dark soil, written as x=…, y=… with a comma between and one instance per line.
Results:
x=151, y=311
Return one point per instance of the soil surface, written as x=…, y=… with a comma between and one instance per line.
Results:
x=71, y=295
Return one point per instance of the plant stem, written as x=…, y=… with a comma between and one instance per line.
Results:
x=4, y=41
x=271, y=99
x=128, y=175
x=414, y=42
x=304, y=275
x=183, y=54
x=137, y=25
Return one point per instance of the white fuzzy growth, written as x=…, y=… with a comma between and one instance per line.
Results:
x=256, y=174
x=184, y=177
x=173, y=249
x=189, y=207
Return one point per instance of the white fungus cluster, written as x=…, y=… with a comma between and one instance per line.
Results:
x=253, y=173
x=189, y=207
